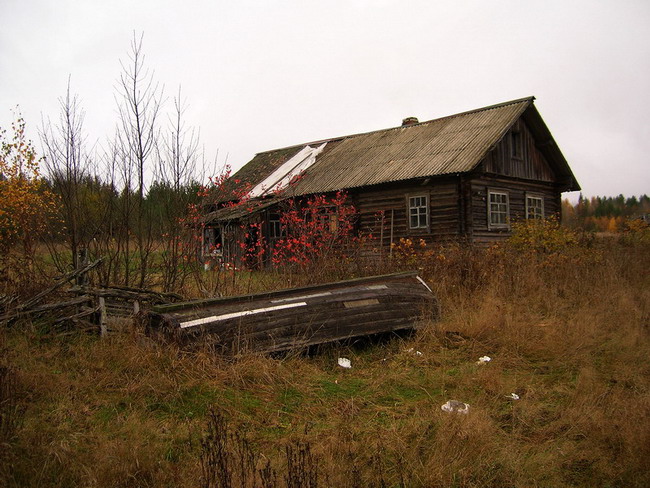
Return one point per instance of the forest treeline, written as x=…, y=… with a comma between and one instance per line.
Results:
x=605, y=214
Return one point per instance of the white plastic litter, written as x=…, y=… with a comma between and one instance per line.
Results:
x=413, y=351
x=513, y=396
x=345, y=363
x=454, y=406
x=484, y=359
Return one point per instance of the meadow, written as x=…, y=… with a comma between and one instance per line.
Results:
x=564, y=317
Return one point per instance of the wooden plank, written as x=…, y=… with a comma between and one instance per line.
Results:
x=315, y=301
x=83, y=313
x=73, y=274
x=279, y=293
x=102, y=317
x=46, y=308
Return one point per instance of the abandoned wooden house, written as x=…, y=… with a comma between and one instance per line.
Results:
x=466, y=176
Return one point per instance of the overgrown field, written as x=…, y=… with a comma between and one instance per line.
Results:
x=565, y=323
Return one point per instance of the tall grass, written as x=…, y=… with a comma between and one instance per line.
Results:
x=567, y=328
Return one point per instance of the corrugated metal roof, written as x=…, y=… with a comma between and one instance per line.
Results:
x=453, y=144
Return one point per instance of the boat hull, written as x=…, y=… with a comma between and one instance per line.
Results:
x=299, y=317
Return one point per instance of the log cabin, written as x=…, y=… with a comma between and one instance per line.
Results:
x=465, y=177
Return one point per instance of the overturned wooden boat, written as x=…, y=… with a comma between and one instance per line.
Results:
x=298, y=317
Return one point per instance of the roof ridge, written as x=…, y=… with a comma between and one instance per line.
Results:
x=340, y=138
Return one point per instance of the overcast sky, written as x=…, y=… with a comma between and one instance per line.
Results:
x=259, y=75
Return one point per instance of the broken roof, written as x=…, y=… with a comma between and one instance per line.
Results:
x=449, y=145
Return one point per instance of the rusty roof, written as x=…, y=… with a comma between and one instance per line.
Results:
x=448, y=145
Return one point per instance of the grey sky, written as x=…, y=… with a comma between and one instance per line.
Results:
x=267, y=74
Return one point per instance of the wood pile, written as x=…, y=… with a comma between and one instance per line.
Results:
x=89, y=309
x=121, y=301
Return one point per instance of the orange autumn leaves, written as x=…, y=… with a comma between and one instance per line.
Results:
x=25, y=201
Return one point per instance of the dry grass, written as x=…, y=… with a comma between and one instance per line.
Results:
x=568, y=331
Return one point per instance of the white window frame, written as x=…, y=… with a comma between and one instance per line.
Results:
x=497, y=210
x=419, y=203
x=273, y=227
x=536, y=215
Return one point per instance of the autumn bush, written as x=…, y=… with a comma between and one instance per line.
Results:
x=25, y=207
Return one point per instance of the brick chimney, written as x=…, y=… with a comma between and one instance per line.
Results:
x=409, y=121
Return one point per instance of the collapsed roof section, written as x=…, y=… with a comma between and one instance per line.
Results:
x=287, y=172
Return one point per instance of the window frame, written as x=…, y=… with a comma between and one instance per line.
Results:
x=535, y=196
x=426, y=207
x=498, y=225
x=273, y=227
x=213, y=241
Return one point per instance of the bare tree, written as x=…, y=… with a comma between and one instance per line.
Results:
x=70, y=173
x=139, y=100
x=175, y=179
x=179, y=154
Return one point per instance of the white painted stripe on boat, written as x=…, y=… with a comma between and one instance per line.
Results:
x=233, y=315
x=425, y=285
x=303, y=297
x=376, y=287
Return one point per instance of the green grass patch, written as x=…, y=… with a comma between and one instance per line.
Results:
x=340, y=388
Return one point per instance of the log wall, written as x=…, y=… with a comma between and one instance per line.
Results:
x=530, y=164
x=478, y=228
x=391, y=203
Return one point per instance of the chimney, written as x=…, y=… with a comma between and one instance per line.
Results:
x=409, y=121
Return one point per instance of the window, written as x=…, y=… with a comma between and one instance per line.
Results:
x=534, y=207
x=212, y=241
x=516, y=149
x=275, y=226
x=497, y=209
x=333, y=223
x=328, y=219
x=418, y=212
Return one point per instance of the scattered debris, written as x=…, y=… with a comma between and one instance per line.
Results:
x=484, y=359
x=413, y=351
x=454, y=406
x=345, y=363
x=513, y=396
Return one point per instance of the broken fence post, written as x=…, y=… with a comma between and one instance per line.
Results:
x=102, y=317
